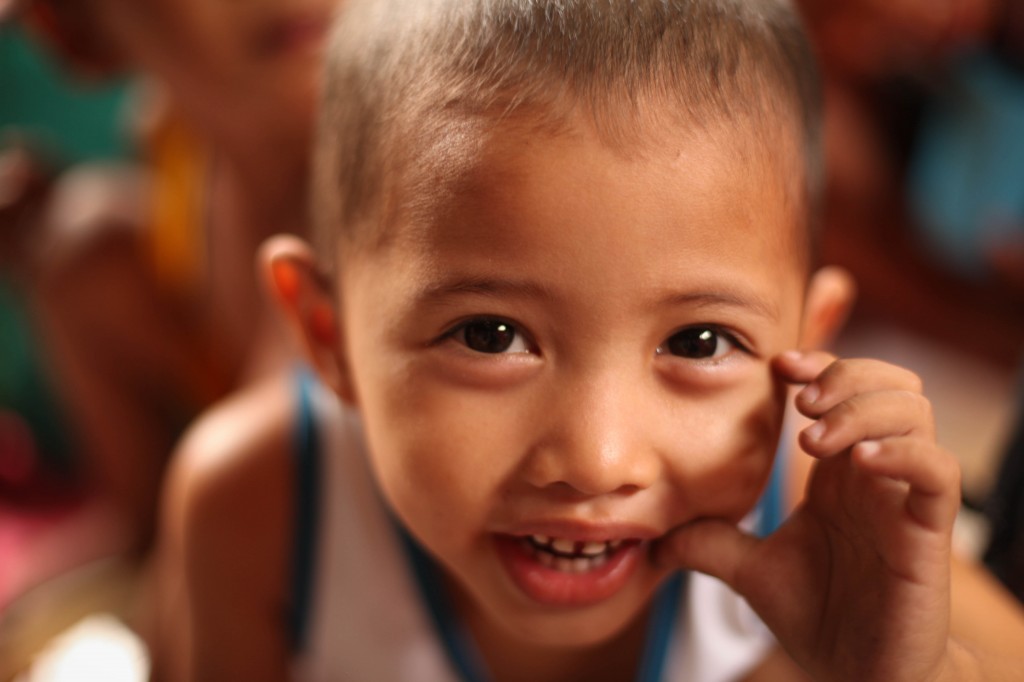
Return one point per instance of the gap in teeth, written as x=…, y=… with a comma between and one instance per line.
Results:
x=568, y=565
x=572, y=550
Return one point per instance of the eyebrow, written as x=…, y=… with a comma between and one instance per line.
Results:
x=482, y=286
x=494, y=288
x=720, y=299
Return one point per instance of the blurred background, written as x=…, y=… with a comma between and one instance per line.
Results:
x=54, y=541
x=119, y=184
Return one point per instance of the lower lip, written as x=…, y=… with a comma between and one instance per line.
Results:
x=551, y=587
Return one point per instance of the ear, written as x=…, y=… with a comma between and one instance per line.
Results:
x=72, y=33
x=304, y=297
x=830, y=296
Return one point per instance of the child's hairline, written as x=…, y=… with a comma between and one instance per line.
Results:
x=552, y=119
x=407, y=65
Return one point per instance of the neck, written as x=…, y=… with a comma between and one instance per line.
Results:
x=251, y=196
x=260, y=167
x=268, y=188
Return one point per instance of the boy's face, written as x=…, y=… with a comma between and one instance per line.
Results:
x=565, y=355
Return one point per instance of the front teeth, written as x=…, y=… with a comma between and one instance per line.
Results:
x=570, y=556
x=594, y=548
x=563, y=546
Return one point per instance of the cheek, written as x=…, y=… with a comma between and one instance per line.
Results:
x=435, y=455
x=731, y=440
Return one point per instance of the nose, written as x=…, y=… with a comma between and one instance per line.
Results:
x=595, y=439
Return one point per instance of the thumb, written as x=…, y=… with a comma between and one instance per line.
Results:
x=717, y=548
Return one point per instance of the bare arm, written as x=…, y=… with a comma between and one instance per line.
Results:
x=221, y=571
x=126, y=364
x=987, y=623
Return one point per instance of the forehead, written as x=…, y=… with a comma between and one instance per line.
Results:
x=711, y=175
x=714, y=202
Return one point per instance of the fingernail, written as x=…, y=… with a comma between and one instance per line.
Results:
x=810, y=394
x=793, y=355
x=868, y=449
x=815, y=430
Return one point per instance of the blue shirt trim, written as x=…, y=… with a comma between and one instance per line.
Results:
x=660, y=627
x=772, y=505
x=306, y=449
x=457, y=643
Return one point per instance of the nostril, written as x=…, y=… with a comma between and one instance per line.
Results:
x=582, y=456
x=578, y=490
x=563, y=491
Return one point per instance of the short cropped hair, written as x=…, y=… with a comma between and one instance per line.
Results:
x=399, y=72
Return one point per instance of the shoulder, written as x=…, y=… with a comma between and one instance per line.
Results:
x=229, y=491
x=226, y=540
x=226, y=537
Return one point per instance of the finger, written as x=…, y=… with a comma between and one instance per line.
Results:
x=869, y=416
x=799, y=367
x=933, y=475
x=714, y=547
x=846, y=378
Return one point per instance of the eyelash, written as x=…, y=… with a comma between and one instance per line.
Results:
x=719, y=335
x=501, y=328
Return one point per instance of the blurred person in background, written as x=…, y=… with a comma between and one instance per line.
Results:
x=49, y=519
x=137, y=280
x=141, y=279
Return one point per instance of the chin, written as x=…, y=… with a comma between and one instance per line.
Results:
x=570, y=627
x=588, y=629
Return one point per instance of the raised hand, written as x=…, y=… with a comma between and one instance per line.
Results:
x=855, y=585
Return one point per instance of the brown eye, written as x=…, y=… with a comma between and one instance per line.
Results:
x=491, y=336
x=698, y=343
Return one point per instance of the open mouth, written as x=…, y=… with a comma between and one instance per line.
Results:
x=571, y=556
x=568, y=572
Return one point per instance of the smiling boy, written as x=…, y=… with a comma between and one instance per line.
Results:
x=570, y=254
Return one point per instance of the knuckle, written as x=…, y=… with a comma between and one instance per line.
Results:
x=844, y=413
x=912, y=381
x=925, y=413
x=845, y=425
x=838, y=371
x=952, y=473
x=917, y=409
x=921, y=405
